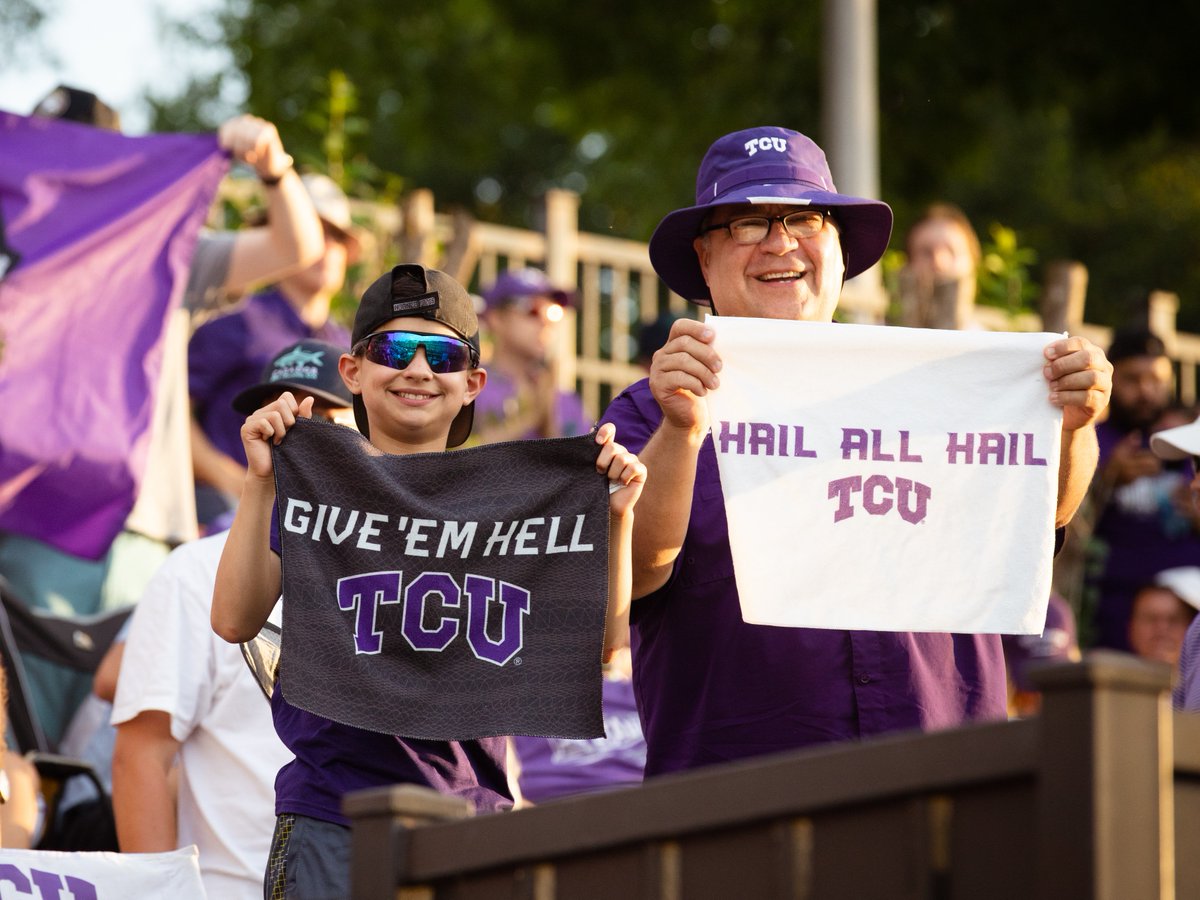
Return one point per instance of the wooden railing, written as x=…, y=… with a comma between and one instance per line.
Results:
x=1087, y=800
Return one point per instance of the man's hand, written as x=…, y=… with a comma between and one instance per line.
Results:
x=255, y=142
x=1130, y=461
x=682, y=372
x=1080, y=378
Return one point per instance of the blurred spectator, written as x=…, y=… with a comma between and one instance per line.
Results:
x=1143, y=523
x=1057, y=643
x=522, y=316
x=938, y=284
x=1162, y=612
x=549, y=768
x=652, y=335
x=184, y=693
x=227, y=354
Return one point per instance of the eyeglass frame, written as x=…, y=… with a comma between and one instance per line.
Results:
x=825, y=215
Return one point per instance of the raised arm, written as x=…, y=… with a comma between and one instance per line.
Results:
x=1080, y=378
x=293, y=237
x=682, y=372
x=248, y=577
x=627, y=477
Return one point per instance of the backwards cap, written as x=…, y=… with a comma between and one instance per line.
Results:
x=412, y=290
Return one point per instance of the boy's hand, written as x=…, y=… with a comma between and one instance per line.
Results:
x=626, y=474
x=267, y=426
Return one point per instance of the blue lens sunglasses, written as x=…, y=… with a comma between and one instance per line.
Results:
x=396, y=349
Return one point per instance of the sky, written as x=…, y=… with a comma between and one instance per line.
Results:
x=114, y=48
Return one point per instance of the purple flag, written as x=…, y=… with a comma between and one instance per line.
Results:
x=96, y=236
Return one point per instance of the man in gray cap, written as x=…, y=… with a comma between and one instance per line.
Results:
x=770, y=236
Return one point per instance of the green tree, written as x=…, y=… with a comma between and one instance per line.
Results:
x=1073, y=123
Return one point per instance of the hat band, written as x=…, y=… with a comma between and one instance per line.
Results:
x=764, y=174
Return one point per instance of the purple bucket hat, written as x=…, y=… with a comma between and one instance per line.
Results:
x=765, y=165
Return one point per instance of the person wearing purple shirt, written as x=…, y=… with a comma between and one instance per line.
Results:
x=227, y=354
x=523, y=316
x=771, y=237
x=1144, y=522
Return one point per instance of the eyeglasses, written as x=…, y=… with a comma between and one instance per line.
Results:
x=396, y=349
x=806, y=223
x=536, y=306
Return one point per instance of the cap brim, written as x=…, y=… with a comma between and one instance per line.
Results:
x=865, y=227
x=460, y=428
x=252, y=398
x=1180, y=442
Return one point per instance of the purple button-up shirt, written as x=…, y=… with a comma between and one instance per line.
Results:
x=711, y=688
x=229, y=353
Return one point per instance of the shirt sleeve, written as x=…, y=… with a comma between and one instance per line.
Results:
x=168, y=664
x=209, y=269
x=636, y=415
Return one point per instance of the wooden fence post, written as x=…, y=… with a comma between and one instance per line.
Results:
x=1063, y=296
x=1105, y=818
x=562, y=257
x=417, y=241
x=382, y=818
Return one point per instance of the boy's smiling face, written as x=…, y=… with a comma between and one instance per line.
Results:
x=411, y=409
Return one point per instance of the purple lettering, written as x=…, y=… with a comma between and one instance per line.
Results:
x=762, y=436
x=418, y=598
x=80, y=889
x=1030, y=459
x=991, y=446
x=1012, y=449
x=912, y=512
x=514, y=604
x=954, y=447
x=362, y=595
x=854, y=440
x=877, y=454
x=14, y=876
x=729, y=436
x=905, y=456
x=841, y=489
x=799, y=443
x=873, y=505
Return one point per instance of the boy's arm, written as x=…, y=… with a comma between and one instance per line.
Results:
x=626, y=477
x=249, y=577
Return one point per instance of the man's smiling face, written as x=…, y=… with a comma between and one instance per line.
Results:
x=780, y=277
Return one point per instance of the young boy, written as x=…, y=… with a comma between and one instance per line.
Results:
x=405, y=401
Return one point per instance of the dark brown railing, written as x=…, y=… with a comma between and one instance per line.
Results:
x=1087, y=800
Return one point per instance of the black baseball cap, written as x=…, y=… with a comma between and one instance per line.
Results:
x=412, y=290
x=308, y=365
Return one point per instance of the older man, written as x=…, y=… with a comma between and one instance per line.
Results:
x=770, y=237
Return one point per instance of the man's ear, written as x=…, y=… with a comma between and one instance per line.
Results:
x=701, y=246
x=476, y=379
x=350, y=367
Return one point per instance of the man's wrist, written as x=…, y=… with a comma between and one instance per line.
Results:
x=271, y=179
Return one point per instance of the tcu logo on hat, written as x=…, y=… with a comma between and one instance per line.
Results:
x=765, y=143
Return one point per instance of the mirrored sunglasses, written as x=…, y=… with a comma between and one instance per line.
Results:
x=396, y=349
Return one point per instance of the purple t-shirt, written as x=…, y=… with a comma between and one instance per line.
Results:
x=333, y=759
x=499, y=403
x=1139, y=533
x=712, y=689
x=553, y=767
x=229, y=353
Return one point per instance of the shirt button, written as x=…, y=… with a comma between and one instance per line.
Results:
x=864, y=679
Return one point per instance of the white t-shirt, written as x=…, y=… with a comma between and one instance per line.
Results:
x=229, y=752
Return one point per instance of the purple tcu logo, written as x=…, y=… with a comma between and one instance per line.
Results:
x=437, y=598
x=43, y=884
